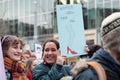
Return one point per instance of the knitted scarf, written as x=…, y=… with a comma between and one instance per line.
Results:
x=16, y=68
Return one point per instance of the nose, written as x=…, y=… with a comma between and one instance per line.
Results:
x=19, y=51
x=50, y=52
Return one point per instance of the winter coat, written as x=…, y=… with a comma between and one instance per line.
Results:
x=47, y=72
x=112, y=69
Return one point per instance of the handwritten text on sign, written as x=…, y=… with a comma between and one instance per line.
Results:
x=71, y=29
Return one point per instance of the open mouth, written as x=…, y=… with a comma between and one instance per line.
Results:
x=50, y=56
x=17, y=55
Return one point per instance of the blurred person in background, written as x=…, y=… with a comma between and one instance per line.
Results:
x=25, y=57
x=30, y=65
x=91, y=49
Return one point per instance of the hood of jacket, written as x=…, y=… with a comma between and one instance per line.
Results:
x=106, y=60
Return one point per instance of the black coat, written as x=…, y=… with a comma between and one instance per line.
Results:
x=111, y=67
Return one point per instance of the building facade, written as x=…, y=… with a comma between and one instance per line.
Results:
x=35, y=20
x=94, y=11
x=29, y=19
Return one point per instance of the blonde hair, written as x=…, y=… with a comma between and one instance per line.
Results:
x=28, y=64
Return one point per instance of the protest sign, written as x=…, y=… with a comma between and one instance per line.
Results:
x=71, y=29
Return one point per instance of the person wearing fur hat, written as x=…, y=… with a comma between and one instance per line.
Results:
x=109, y=55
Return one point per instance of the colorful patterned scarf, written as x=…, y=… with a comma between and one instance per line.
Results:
x=16, y=68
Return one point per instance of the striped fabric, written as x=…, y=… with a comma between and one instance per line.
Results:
x=16, y=68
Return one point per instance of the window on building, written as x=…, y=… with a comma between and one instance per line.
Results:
x=107, y=8
x=90, y=42
x=116, y=5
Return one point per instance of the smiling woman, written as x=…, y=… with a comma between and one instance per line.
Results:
x=53, y=67
x=12, y=53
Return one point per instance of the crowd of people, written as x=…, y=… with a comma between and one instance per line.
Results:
x=20, y=67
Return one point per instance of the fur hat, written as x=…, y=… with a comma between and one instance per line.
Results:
x=110, y=23
x=110, y=29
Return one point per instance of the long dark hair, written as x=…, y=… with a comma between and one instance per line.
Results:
x=92, y=49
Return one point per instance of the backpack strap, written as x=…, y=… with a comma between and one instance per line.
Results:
x=99, y=70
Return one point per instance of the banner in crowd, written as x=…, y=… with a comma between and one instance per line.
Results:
x=2, y=69
x=71, y=29
x=38, y=51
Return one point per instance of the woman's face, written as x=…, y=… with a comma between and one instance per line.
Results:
x=34, y=63
x=50, y=53
x=15, y=52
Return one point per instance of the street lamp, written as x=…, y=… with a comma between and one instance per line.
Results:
x=35, y=20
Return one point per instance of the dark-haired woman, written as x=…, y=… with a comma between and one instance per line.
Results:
x=52, y=67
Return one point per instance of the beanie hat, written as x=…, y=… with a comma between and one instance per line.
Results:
x=110, y=29
x=110, y=23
